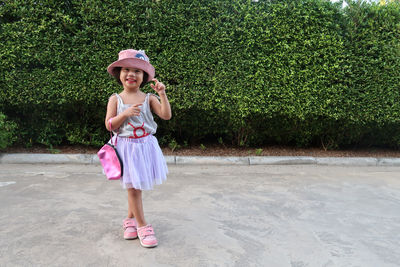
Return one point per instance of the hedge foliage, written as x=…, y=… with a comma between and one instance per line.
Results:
x=301, y=72
x=7, y=131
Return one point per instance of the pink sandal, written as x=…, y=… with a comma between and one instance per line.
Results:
x=130, y=227
x=147, y=237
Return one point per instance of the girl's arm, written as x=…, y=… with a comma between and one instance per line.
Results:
x=163, y=109
x=117, y=120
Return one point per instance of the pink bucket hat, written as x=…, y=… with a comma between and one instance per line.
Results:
x=133, y=59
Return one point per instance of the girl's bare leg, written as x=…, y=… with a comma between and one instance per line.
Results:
x=136, y=206
x=130, y=206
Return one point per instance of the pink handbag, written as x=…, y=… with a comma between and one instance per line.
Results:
x=110, y=160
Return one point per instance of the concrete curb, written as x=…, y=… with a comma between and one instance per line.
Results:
x=285, y=160
x=22, y=158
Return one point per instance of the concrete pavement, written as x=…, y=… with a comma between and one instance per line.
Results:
x=204, y=215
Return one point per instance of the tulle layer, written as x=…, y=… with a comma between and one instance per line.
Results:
x=144, y=163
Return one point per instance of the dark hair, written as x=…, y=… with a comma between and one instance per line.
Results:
x=117, y=72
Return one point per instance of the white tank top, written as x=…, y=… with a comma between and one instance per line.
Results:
x=136, y=126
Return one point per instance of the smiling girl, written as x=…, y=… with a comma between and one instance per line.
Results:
x=129, y=116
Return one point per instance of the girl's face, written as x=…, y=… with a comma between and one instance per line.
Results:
x=131, y=78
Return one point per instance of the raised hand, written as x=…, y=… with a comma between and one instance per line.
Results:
x=159, y=87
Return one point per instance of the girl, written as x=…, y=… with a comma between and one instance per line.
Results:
x=129, y=116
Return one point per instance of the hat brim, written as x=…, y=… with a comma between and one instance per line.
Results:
x=133, y=63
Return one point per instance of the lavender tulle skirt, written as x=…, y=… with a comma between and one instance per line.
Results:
x=144, y=163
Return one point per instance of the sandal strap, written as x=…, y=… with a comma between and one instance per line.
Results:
x=146, y=231
x=129, y=223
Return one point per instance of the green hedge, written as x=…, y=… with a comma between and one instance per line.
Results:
x=252, y=73
x=7, y=131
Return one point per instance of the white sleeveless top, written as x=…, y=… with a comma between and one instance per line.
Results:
x=136, y=126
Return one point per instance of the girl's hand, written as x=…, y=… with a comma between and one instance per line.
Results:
x=158, y=87
x=133, y=110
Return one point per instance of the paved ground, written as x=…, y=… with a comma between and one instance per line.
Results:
x=302, y=215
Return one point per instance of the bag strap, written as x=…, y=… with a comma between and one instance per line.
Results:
x=109, y=122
